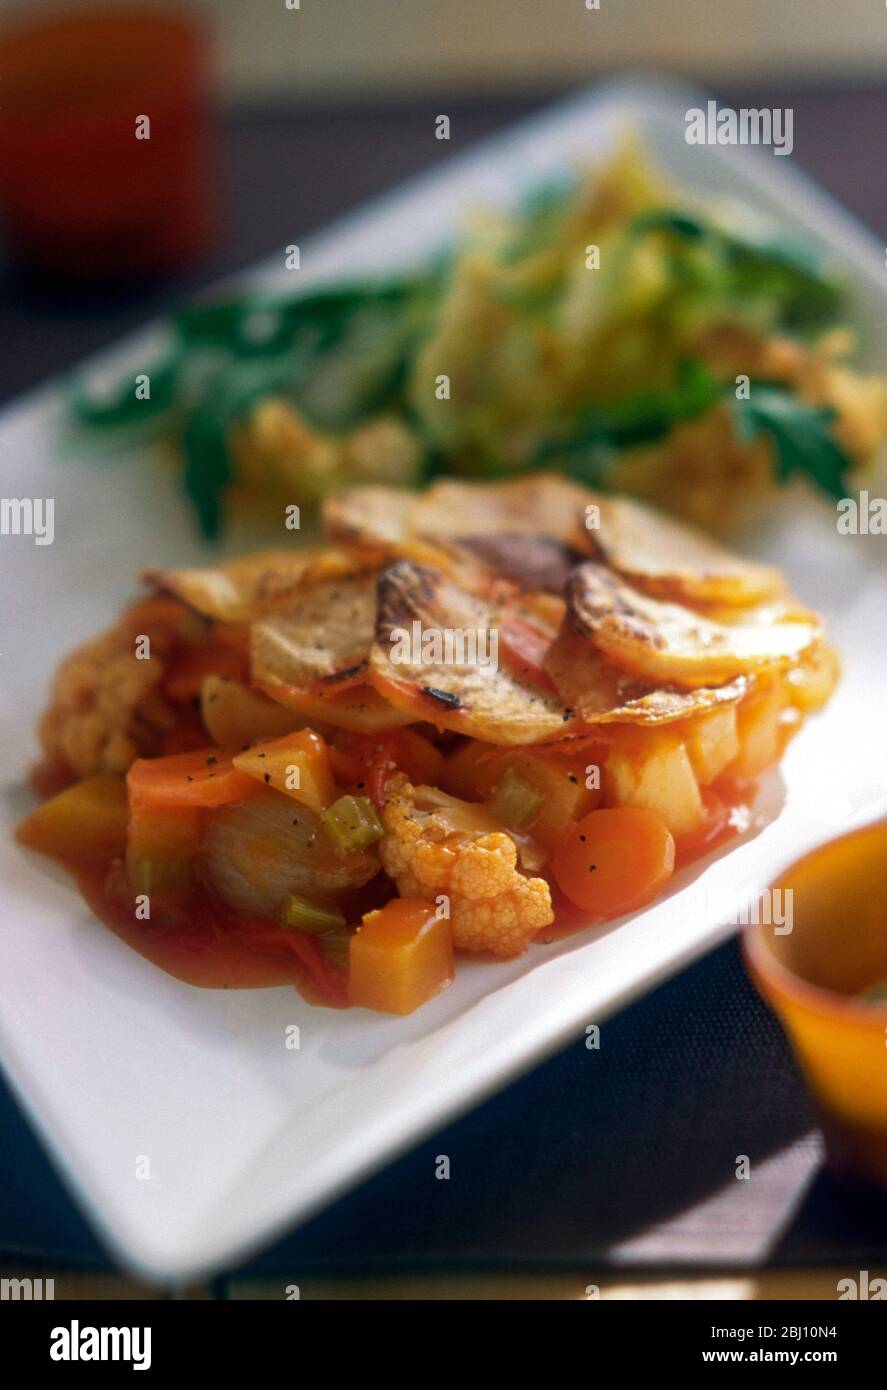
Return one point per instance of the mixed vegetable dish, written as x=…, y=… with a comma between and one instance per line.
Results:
x=474, y=717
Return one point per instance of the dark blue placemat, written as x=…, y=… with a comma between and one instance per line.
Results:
x=627, y=1155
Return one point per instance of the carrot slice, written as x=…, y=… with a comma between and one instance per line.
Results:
x=203, y=778
x=614, y=861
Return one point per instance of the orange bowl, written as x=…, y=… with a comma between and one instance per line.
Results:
x=816, y=977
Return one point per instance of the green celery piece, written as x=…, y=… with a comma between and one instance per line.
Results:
x=305, y=915
x=515, y=800
x=335, y=946
x=160, y=876
x=353, y=823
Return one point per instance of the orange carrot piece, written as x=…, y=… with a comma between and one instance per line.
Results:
x=203, y=778
x=614, y=861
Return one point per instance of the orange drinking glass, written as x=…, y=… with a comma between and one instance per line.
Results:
x=80, y=194
x=826, y=981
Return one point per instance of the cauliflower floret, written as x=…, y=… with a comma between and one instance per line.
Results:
x=106, y=707
x=435, y=844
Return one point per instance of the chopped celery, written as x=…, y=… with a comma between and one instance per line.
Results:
x=161, y=876
x=515, y=800
x=353, y=823
x=305, y=915
x=334, y=946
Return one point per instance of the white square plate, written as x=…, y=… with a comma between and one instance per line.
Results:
x=117, y=1063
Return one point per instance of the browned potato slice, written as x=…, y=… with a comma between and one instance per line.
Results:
x=454, y=686
x=666, y=558
x=601, y=693
x=666, y=642
x=368, y=515
x=542, y=505
x=240, y=589
x=537, y=564
x=323, y=636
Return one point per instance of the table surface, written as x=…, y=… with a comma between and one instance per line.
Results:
x=616, y=1167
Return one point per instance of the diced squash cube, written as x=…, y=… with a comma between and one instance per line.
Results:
x=297, y=765
x=85, y=823
x=759, y=726
x=400, y=956
x=652, y=770
x=712, y=741
x=233, y=714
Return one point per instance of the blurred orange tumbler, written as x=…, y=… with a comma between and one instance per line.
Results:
x=827, y=981
x=105, y=143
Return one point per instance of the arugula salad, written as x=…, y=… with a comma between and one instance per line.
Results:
x=609, y=329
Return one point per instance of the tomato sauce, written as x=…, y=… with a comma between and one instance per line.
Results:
x=203, y=944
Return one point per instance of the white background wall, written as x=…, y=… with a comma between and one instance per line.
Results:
x=388, y=48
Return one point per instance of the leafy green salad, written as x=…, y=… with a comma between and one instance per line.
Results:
x=609, y=329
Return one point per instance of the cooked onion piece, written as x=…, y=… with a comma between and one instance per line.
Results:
x=257, y=852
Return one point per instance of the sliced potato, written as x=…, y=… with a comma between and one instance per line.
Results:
x=542, y=504
x=322, y=637
x=668, y=642
x=235, y=592
x=669, y=559
x=245, y=589
x=602, y=693
x=358, y=707
x=368, y=515
x=535, y=563
x=436, y=659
